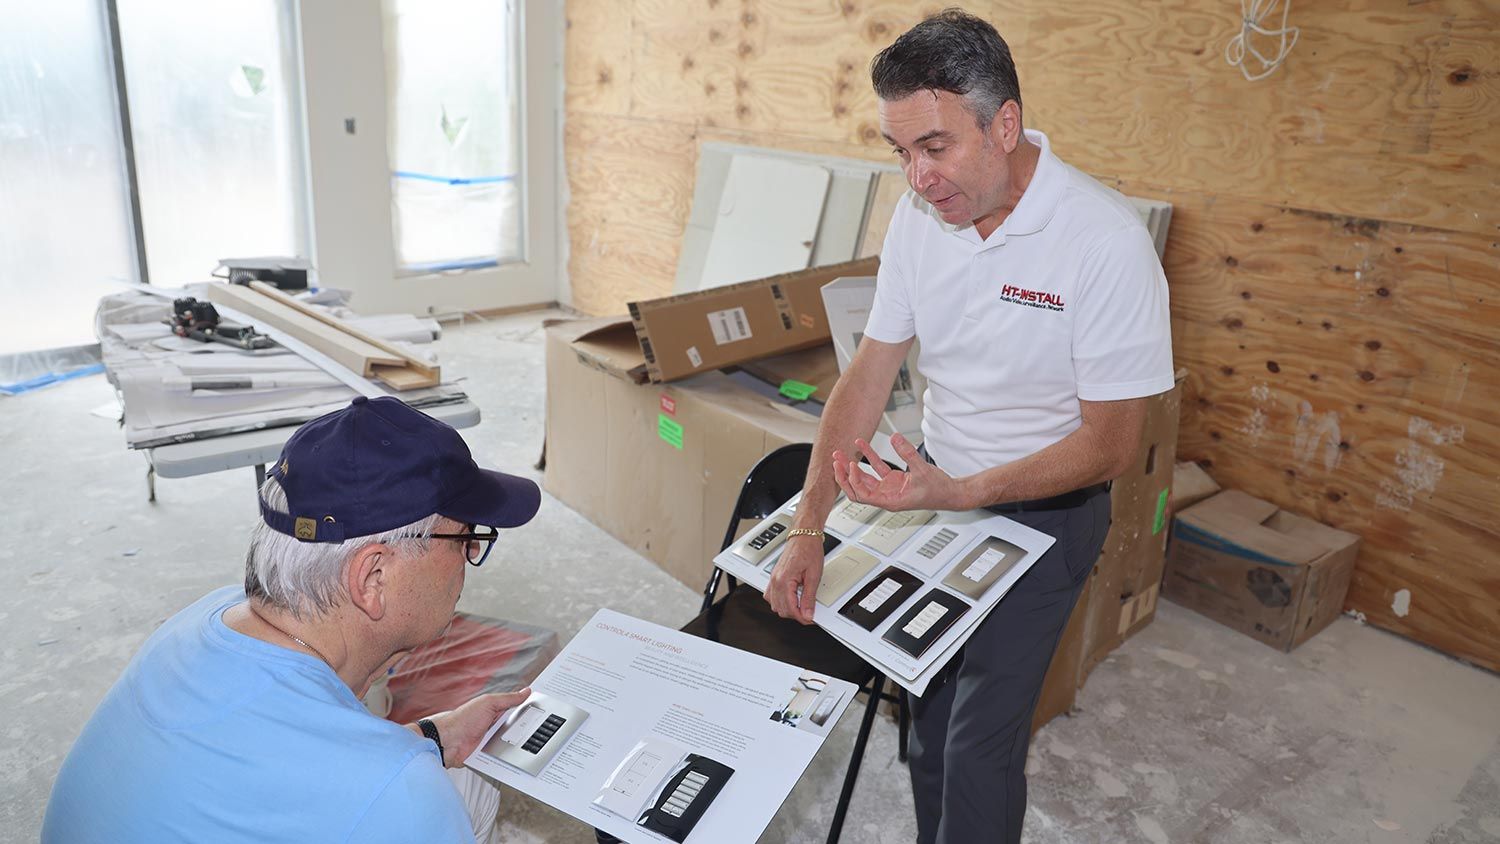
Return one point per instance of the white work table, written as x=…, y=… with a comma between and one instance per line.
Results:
x=257, y=448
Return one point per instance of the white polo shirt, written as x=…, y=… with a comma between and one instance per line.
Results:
x=1066, y=300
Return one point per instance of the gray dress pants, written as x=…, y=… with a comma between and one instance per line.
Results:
x=970, y=734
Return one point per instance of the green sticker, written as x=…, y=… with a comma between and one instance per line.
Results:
x=1161, y=512
x=796, y=390
x=669, y=429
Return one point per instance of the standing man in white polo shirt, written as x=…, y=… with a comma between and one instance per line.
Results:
x=1042, y=313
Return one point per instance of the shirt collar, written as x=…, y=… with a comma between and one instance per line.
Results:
x=1037, y=204
x=1042, y=195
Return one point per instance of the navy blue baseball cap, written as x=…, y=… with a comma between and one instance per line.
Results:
x=378, y=465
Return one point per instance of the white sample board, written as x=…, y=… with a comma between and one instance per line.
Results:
x=643, y=731
x=767, y=221
x=846, y=213
x=912, y=587
x=848, y=301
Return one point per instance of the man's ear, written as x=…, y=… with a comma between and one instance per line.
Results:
x=1005, y=128
x=366, y=579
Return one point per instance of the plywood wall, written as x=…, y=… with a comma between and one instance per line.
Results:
x=1334, y=258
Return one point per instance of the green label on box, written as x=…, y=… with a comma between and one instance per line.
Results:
x=669, y=429
x=1161, y=512
x=796, y=390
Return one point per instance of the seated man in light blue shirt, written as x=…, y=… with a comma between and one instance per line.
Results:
x=240, y=718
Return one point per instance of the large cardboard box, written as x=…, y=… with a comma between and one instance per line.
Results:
x=657, y=466
x=698, y=332
x=1266, y=572
x=1127, y=577
x=1190, y=484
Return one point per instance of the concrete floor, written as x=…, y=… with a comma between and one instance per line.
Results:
x=1188, y=733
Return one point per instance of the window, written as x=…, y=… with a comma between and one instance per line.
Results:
x=214, y=114
x=213, y=139
x=455, y=133
x=65, y=233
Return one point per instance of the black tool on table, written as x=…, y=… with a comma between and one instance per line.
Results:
x=200, y=321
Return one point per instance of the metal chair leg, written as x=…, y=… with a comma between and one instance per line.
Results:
x=860, y=741
x=903, y=724
x=711, y=589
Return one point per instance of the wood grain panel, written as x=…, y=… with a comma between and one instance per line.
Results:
x=1348, y=370
x=1392, y=113
x=631, y=186
x=787, y=66
x=596, y=56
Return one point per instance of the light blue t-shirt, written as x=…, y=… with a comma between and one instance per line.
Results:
x=211, y=735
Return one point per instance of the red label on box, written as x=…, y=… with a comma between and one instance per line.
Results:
x=668, y=405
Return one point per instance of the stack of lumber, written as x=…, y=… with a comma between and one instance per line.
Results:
x=346, y=344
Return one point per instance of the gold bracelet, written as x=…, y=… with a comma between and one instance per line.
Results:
x=818, y=532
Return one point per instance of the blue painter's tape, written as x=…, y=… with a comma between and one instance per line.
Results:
x=1198, y=536
x=445, y=180
x=442, y=266
x=50, y=378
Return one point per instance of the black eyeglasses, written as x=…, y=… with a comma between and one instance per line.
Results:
x=477, y=545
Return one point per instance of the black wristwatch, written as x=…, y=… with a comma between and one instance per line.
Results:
x=430, y=730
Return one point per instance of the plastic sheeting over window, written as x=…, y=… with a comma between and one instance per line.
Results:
x=64, y=217
x=214, y=109
x=455, y=133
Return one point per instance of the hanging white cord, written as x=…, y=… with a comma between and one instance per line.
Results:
x=1252, y=14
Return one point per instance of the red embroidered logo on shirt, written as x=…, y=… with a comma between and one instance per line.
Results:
x=1032, y=298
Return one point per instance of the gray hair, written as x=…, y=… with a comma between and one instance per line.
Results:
x=951, y=51
x=306, y=578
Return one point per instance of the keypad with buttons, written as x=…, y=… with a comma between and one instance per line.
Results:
x=767, y=536
x=683, y=795
x=544, y=734
x=761, y=543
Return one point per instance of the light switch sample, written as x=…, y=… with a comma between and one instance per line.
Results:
x=534, y=731
x=686, y=796
x=841, y=572
x=936, y=543
x=933, y=548
x=927, y=620
x=929, y=616
x=883, y=592
x=985, y=564
x=850, y=517
x=758, y=545
x=883, y=595
x=635, y=781
x=893, y=529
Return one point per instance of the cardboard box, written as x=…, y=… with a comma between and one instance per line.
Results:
x=816, y=366
x=1190, y=484
x=657, y=466
x=706, y=330
x=1266, y=572
x=1126, y=579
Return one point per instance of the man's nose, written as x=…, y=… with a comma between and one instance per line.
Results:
x=920, y=175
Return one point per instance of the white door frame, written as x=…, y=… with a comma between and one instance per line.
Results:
x=344, y=78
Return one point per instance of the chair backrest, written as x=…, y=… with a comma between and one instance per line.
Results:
x=775, y=478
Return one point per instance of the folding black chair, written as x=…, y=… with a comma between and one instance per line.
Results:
x=744, y=620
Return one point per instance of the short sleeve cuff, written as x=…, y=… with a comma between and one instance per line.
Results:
x=1127, y=389
x=886, y=334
